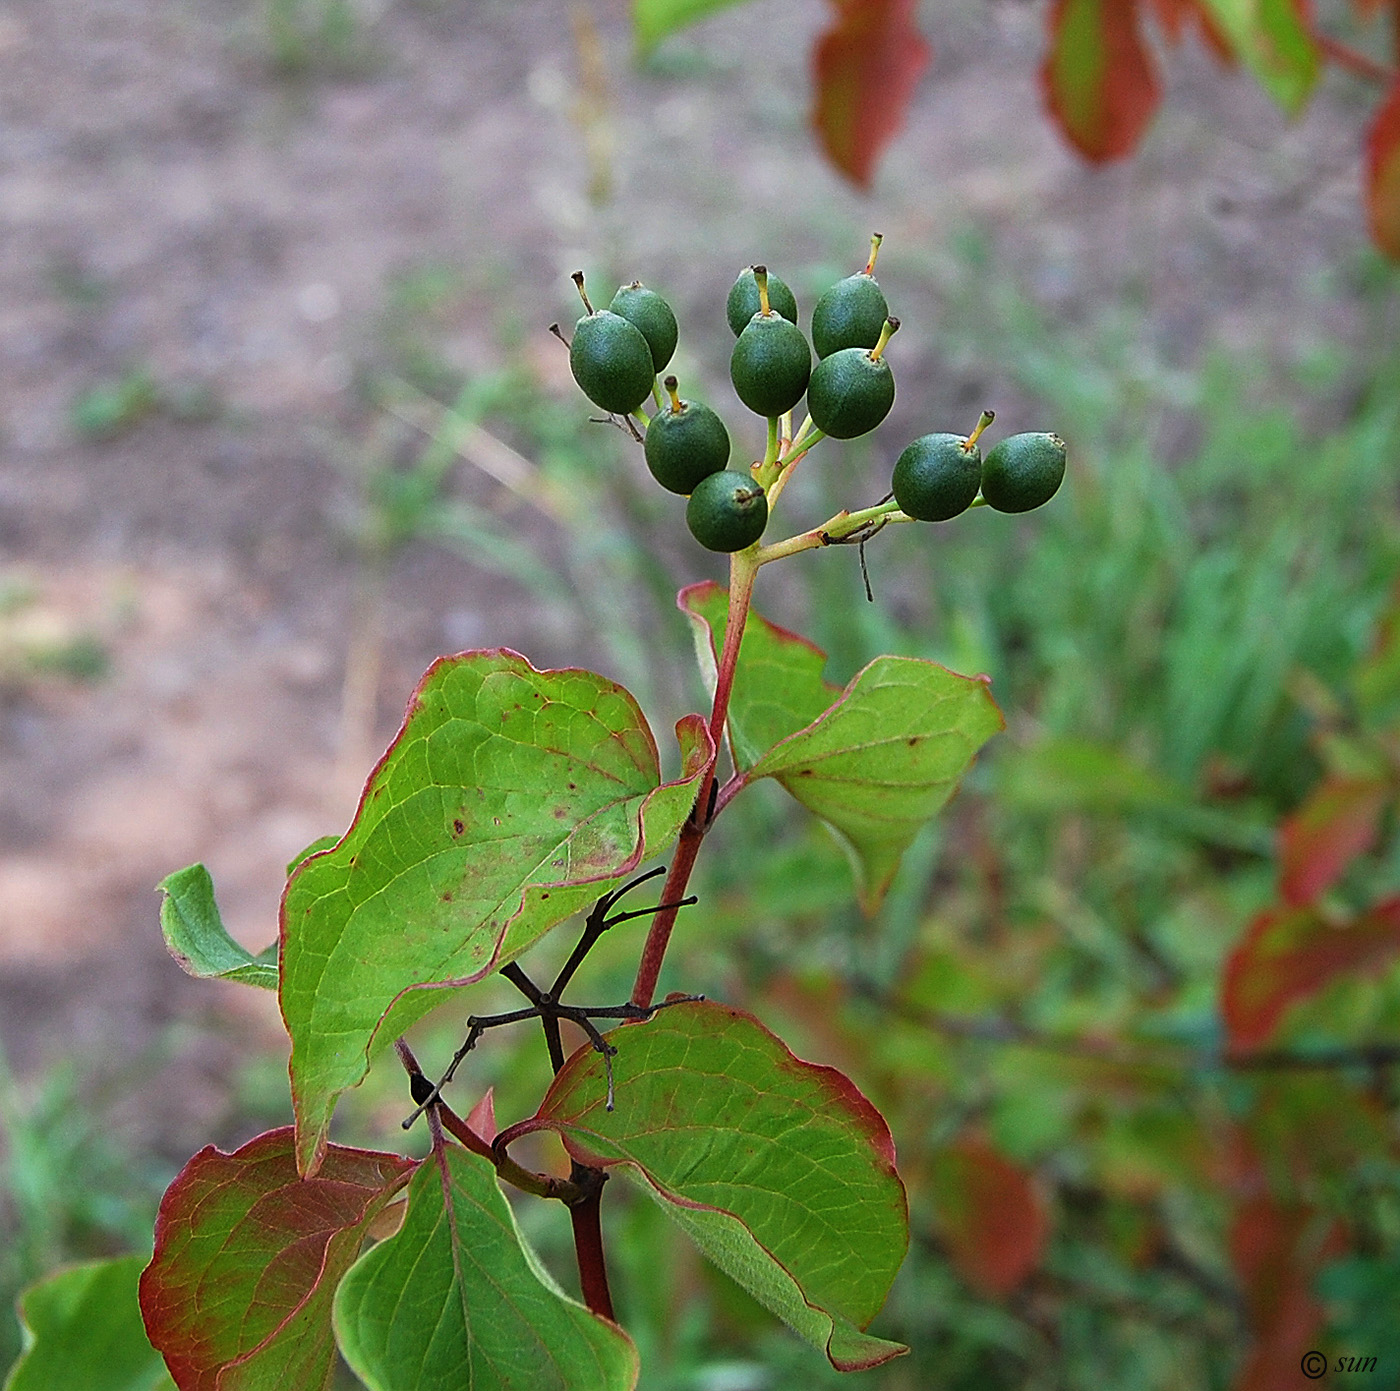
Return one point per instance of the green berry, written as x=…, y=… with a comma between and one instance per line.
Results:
x=685, y=442
x=849, y=315
x=743, y=302
x=937, y=477
x=1023, y=471
x=611, y=361
x=770, y=365
x=727, y=511
x=850, y=393
x=650, y=313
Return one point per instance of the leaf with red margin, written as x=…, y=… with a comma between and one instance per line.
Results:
x=247, y=1258
x=864, y=71
x=1277, y=1250
x=1099, y=80
x=1339, y=822
x=1289, y=954
x=1174, y=15
x=779, y=1170
x=778, y=685
x=1274, y=39
x=991, y=1213
x=508, y=801
x=456, y=1298
x=874, y=761
x=1383, y=172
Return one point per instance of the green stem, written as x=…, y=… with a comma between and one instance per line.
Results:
x=806, y=438
x=834, y=530
x=743, y=569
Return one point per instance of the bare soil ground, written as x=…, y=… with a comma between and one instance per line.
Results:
x=169, y=202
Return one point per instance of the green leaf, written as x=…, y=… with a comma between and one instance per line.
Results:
x=456, y=1298
x=1273, y=39
x=780, y=1170
x=654, y=19
x=196, y=937
x=82, y=1329
x=247, y=1258
x=319, y=844
x=510, y=799
x=874, y=761
x=778, y=685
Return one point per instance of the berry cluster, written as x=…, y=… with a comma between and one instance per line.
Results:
x=618, y=354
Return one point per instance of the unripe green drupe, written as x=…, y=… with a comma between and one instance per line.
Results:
x=609, y=357
x=770, y=365
x=852, y=312
x=727, y=511
x=771, y=362
x=652, y=315
x=852, y=391
x=937, y=477
x=685, y=442
x=1023, y=471
x=744, y=301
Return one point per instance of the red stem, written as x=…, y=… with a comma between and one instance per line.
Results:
x=742, y=572
x=1354, y=61
x=588, y=1242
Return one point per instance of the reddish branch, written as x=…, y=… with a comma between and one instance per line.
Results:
x=1354, y=61
x=742, y=573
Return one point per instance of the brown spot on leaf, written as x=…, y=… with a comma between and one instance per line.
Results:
x=912, y=740
x=458, y=827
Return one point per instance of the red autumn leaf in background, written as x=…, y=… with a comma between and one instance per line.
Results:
x=1289, y=954
x=865, y=68
x=1174, y=15
x=991, y=1215
x=1383, y=173
x=1339, y=821
x=1099, y=80
x=1276, y=1250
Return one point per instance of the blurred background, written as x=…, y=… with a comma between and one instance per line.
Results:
x=281, y=422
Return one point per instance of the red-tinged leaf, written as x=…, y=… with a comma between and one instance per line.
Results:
x=1276, y=1250
x=247, y=1258
x=1175, y=15
x=482, y=1116
x=1099, y=80
x=875, y=761
x=510, y=799
x=1274, y=39
x=1383, y=173
x=1289, y=954
x=865, y=68
x=778, y=1169
x=991, y=1214
x=1337, y=823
